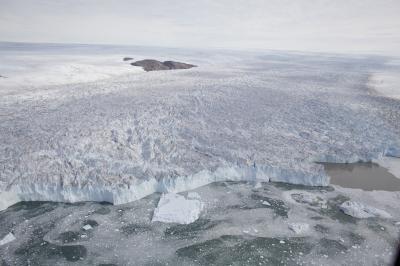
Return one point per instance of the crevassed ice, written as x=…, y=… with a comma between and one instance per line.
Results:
x=238, y=116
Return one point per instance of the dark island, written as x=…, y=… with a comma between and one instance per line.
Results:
x=154, y=65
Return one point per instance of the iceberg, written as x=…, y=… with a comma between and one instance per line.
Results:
x=7, y=239
x=174, y=208
x=359, y=210
x=299, y=228
x=87, y=227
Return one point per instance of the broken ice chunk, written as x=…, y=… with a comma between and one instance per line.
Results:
x=258, y=185
x=359, y=210
x=266, y=203
x=7, y=239
x=299, y=228
x=87, y=227
x=310, y=199
x=174, y=208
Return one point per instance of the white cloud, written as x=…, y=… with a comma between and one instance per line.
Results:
x=312, y=25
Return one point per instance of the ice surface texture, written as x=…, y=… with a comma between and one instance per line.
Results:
x=238, y=116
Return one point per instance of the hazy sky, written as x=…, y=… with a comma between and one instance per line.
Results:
x=310, y=25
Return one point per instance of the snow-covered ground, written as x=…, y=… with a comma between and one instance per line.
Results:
x=386, y=81
x=79, y=124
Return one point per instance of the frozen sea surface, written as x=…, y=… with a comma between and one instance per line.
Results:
x=234, y=228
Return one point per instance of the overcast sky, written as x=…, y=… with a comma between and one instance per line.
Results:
x=365, y=26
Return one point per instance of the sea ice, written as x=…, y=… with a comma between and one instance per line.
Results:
x=308, y=198
x=7, y=239
x=299, y=228
x=87, y=227
x=266, y=203
x=359, y=210
x=174, y=208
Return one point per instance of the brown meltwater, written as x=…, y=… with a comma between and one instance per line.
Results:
x=367, y=176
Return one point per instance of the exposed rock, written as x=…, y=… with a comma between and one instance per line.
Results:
x=150, y=65
x=154, y=65
x=177, y=65
x=127, y=58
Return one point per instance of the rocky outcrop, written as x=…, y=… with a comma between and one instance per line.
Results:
x=154, y=65
x=127, y=58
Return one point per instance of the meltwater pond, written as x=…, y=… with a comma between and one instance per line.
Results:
x=242, y=223
x=367, y=176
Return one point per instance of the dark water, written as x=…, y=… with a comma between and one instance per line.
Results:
x=367, y=176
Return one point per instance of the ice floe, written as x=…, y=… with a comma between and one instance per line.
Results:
x=308, y=198
x=299, y=228
x=87, y=227
x=359, y=210
x=266, y=203
x=175, y=208
x=386, y=83
x=7, y=239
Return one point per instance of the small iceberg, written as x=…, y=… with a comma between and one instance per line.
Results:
x=309, y=198
x=87, y=227
x=174, y=208
x=299, y=228
x=359, y=210
x=266, y=203
x=7, y=239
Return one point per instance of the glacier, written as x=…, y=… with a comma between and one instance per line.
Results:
x=117, y=134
